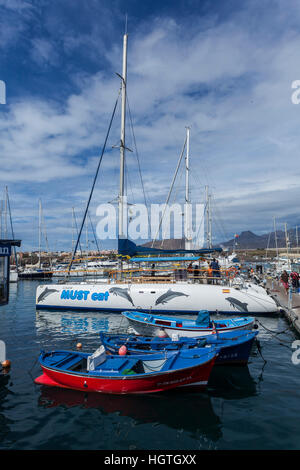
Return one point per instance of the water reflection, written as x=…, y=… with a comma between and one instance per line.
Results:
x=231, y=382
x=4, y=391
x=180, y=410
x=78, y=323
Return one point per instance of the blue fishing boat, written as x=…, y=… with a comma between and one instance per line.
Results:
x=155, y=325
x=235, y=347
x=144, y=373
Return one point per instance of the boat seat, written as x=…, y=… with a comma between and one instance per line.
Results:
x=80, y=366
x=68, y=361
x=96, y=359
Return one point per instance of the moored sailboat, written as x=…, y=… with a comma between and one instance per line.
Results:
x=162, y=294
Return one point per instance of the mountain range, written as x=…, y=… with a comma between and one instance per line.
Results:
x=246, y=240
x=249, y=240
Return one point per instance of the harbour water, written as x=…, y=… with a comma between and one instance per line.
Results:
x=254, y=407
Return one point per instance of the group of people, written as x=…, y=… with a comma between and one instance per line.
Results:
x=212, y=274
x=293, y=279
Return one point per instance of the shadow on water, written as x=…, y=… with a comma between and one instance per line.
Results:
x=180, y=410
x=4, y=392
x=231, y=382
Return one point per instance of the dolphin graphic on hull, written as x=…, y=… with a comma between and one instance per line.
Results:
x=169, y=295
x=241, y=306
x=45, y=293
x=122, y=293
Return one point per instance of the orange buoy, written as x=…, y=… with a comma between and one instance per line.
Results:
x=6, y=364
x=78, y=345
x=123, y=350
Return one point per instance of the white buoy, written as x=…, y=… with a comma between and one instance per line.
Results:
x=2, y=351
x=162, y=334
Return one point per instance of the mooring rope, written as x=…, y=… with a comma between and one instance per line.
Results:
x=274, y=334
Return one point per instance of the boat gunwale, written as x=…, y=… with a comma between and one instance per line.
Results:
x=135, y=376
x=195, y=328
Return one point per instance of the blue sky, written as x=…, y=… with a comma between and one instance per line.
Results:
x=223, y=68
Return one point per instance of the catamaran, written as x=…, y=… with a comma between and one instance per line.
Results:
x=183, y=290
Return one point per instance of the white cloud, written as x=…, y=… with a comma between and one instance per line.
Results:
x=230, y=81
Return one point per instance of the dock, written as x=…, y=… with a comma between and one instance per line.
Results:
x=290, y=303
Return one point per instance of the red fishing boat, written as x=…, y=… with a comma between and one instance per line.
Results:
x=117, y=374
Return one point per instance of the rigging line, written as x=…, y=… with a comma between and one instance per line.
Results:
x=45, y=235
x=200, y=226
x=93, y=186
x=170, y=191
x=93, y=230
x=216, y=223
x=76, y=226
x=179, y=182
x=221, y=222
x=137, y=156
x=202, y=220
x=174, y=199
x=128, y=182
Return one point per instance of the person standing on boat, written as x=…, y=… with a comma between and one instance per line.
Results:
x=215, y=270
x=285, y=281
x=153, y=270
x=190, y=270
x=209, y=275
x=197, y=273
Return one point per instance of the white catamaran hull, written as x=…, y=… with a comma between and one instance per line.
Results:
x=160, y=298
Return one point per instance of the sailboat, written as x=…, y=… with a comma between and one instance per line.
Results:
x=37, y=272
x=161, y=294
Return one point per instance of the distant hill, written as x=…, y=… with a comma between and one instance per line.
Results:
x=248, y=240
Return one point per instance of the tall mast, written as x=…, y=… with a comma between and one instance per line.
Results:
x=297, y=241
x=208, y=219
x=287, y=241
x=188, y=238
x=73, y=228
x=1, y=210
x=5, y=214
x=122, y=144
x=275, y=234
x=40, y=228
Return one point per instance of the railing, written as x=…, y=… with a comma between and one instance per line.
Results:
x=172, y=275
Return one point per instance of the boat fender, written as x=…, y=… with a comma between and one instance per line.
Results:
x=6, y=364
x=162, y=333
x=78, y=345
x=123, y=350
x=255, y=326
